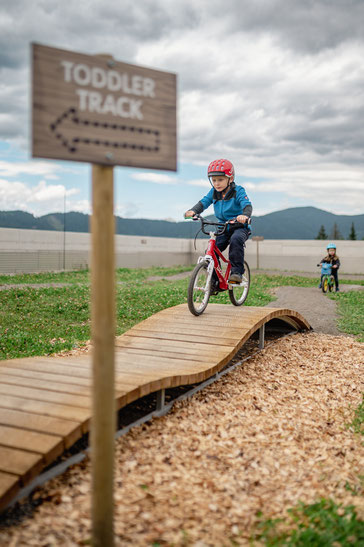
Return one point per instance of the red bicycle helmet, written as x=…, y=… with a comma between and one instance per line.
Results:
x=221, y=168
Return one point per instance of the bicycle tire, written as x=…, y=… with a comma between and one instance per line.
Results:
x=331, y=284
x=325, y=284
x=239, y=293
x=199, y=288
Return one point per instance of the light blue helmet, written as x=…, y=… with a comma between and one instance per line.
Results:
x=331, y=246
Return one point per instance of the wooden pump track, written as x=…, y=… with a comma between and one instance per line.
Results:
x=45, y=402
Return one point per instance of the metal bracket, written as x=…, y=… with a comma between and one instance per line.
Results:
x=261, y=336
x=161, y=399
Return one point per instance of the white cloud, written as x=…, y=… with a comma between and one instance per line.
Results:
x=44, y=169
x=127, y=210
x=81, y=206
x=248, y=185
x=339, y=189
x=39, y=199
x=156, y=178
x=47, y=193
x=199, y=182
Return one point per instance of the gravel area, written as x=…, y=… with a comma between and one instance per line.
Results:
x=270, y=433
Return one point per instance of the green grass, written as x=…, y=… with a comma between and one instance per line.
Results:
x=351, y=312
x=320, y=524
x=43, y=321
x=83, y=276
x=79, y=276
x=48, y=320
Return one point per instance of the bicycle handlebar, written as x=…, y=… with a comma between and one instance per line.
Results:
x=221, y=225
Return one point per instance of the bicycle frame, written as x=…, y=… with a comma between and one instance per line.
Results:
x=330, y=279
x=211, y=255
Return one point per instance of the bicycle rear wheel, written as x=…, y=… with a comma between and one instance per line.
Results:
x=199, y=289
x=238, y=293
x=325, y=284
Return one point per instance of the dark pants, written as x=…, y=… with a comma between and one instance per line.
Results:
x=237, y=238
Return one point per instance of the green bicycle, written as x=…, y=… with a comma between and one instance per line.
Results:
x=327, y=279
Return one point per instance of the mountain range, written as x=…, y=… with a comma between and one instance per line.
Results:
x=293, y=223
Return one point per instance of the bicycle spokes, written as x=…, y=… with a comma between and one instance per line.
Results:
x=199, y=288
x=238, y=293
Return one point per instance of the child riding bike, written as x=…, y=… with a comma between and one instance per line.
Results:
x=333, y=259
x=230, y=203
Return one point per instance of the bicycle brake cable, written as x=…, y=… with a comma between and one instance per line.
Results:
x=194, y=243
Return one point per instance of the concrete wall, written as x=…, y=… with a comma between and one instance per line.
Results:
x=304, y=255
x=40, y=250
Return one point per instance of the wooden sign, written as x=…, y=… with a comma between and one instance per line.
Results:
x=257, y=238
x=92, y=109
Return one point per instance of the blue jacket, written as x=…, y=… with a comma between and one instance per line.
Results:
x=229, y=207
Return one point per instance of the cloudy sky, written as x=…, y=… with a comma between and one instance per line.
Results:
x=276, y=86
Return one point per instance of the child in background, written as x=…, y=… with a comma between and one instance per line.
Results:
x=333, y=259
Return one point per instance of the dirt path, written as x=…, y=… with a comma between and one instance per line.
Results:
x=313, y=304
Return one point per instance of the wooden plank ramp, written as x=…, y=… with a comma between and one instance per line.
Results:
x=45, y=402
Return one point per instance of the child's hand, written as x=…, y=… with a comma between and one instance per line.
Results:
x=189, y=214
x=243, y=219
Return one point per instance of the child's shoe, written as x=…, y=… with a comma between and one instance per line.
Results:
x=215, y=287
x=320, y=286
x=337, y=289
x=235, y=278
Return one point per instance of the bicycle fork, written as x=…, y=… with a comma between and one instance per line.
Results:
x=210, y=270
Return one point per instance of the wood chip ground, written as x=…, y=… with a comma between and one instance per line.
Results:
x=263, y=437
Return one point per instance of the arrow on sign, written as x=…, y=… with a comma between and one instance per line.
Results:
x=77, y=125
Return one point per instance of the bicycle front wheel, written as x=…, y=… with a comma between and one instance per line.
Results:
x=199, y=289
x=238, y=293
x=325, y=284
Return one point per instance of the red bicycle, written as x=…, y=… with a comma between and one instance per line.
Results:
x=199, y=288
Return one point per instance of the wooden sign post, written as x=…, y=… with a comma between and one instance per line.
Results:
x=103, y=334
x=98, y=110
